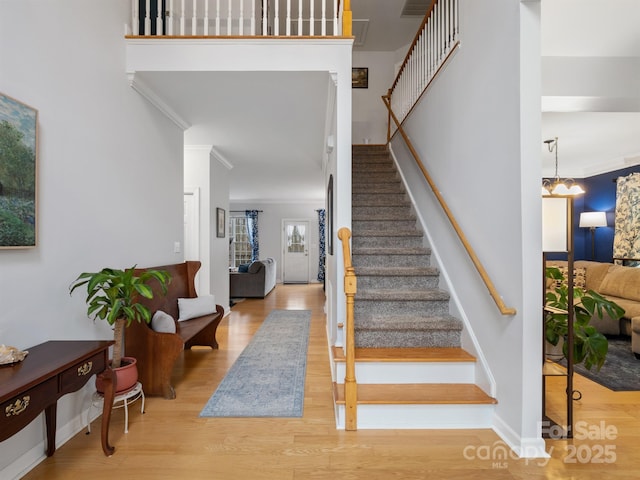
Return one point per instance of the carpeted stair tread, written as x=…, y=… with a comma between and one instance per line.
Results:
x=406, y=355
x=385, y=294
x=397, y=271
x=372, y=217
x=377, y=201
x=378, y=189
x=392, y=251
x=409, y=322
x=397, y=233
x=421, y=394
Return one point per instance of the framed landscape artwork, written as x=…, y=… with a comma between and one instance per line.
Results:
x=220, y=223
x=18, y=173
x=359, y=77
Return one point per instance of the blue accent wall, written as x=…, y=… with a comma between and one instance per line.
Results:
x=600, y=196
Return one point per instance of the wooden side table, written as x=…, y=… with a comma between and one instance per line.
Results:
x=51, y=370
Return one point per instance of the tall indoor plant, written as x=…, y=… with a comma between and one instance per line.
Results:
x=590, y=347
x=112, y=295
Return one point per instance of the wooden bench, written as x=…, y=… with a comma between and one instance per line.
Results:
x=157, y=352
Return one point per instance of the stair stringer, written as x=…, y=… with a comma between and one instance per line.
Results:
x=469, y=341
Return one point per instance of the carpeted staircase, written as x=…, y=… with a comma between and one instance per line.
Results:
x=398, y=303
x=410, y=369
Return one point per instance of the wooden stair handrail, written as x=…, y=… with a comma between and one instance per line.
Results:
x=504, y=310
x=350, y=287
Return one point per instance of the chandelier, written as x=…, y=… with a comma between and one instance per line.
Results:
x=568, y=186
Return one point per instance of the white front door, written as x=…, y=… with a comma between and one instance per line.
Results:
x=295, y=251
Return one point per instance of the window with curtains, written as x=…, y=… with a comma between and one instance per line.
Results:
x=240, y=249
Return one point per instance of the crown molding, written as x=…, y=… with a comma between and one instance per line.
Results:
x=143, y=89
x=221, y=159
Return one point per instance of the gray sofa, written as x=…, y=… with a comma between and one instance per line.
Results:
x=617, y=283
x=256, y=282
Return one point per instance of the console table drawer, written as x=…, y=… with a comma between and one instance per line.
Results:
x=23, y=408
x=76, y=376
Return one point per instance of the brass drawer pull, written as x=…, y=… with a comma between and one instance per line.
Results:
x=18, y=407
x=85, y=369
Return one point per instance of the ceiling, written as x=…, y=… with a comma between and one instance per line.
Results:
x=597, y=118
x=276, y=152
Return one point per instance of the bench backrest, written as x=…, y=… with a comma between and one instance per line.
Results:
x=182, y=285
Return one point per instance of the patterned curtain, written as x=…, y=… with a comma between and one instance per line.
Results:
x=252, y=232
x=626, y=240
x=321, y=216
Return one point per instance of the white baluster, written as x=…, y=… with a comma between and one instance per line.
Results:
x=229, y=31
x=170, y=18
x=300, y=17
x=276, y=20
x=324, y=19
x=441, y=28
x=241, y=19
x=217, y=17
x=265, y=17
x=194, y=19
x=182, y=19
x=311, y=19
x=457, y=31
x=147, y=18
x=135, y=18
x=336, y=32
x=206, y=18
x=288, y=18
x=253, y=18
x=159, y=18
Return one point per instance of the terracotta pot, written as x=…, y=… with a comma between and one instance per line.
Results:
x=126, y=376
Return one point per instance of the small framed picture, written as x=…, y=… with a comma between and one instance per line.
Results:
x=220, y=223
x=360, y=78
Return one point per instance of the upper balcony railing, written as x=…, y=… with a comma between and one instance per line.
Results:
x=241, y=18
x=435, y=41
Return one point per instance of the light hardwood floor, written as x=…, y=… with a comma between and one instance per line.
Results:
x=171, y=441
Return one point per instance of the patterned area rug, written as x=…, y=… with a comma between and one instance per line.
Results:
x=267, y=379
x=621, y=369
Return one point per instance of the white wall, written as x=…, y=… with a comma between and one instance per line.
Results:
x=219, y=247
x=270, y=230
x=369, y=113
x=473, y=136
x=109, y=181
x=197, y=173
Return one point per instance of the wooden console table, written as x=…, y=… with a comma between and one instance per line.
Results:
x=51, y=370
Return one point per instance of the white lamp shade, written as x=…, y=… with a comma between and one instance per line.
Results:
x=593, y=219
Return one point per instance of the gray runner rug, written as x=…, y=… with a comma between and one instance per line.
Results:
x=267, y=379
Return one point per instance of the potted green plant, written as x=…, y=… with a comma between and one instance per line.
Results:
x=590, y=347
x=112, y=296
